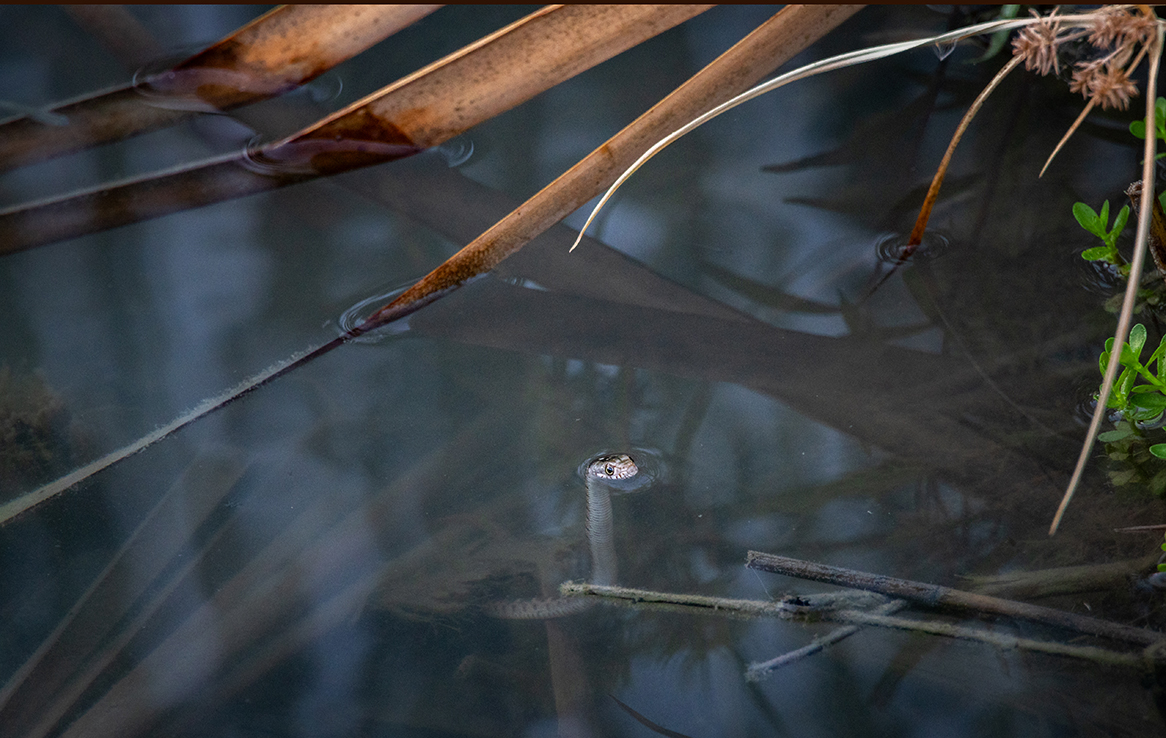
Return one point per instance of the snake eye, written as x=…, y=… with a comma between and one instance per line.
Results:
x=609, y=470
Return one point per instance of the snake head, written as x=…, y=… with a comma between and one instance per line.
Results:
x=613, y=467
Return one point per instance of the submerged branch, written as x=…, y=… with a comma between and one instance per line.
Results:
x=932, y=595
x=763, y=670
x=701, y=604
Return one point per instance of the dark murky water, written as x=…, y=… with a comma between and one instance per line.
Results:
x=312, y=560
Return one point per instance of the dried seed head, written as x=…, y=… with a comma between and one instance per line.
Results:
x=1121, y=27
x=1108, y=85
x=1114, y=89
x=1037, y=45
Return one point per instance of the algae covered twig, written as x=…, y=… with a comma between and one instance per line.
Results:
x=757, y=672
x=833, y=607
x=932, y=596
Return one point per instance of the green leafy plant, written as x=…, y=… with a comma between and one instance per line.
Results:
x=1152, y=290
x=1139, y=395
x=1143, y=402
x=1162, y=567
x=1138, y=127
x=1098, y=224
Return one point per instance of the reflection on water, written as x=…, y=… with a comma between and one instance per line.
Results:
x=314, y=559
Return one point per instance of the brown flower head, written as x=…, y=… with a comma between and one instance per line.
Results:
x=1084, y=76
x=1112, y=89
x=1037, y=45
x=1121, y=27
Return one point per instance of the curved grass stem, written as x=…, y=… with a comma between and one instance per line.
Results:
x=1134, y=280
x=833, y=63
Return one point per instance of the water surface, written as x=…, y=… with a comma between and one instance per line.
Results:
x=313, y=560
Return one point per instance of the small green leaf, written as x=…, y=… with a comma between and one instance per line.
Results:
x=1138, y=128
x=1119, y=224
x=1128, y=357
x=1007, y=12
x=1159, y=450
x=1137, y=339
x=1143, y=416
x=1122, y=478
x=1097, y=253
x=1114, y=436
x=1087, y=217
x=1124, y=383
x=1158, y=483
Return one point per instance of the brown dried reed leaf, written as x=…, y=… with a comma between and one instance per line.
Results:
x=484, y=79
x=773, y=43
x=423, y=109
x=284, y=48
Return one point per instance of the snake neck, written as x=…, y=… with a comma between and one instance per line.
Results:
x=600, y=530
x=600, y=533
x=600, y=538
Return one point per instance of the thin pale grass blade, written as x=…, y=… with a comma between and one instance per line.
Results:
x=773, y=43
x=424, y=109
x=23, y=503
x=1135, y=280
x=841, y=61
x=284, y=48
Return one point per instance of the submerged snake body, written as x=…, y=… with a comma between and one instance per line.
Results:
x=605, y=469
